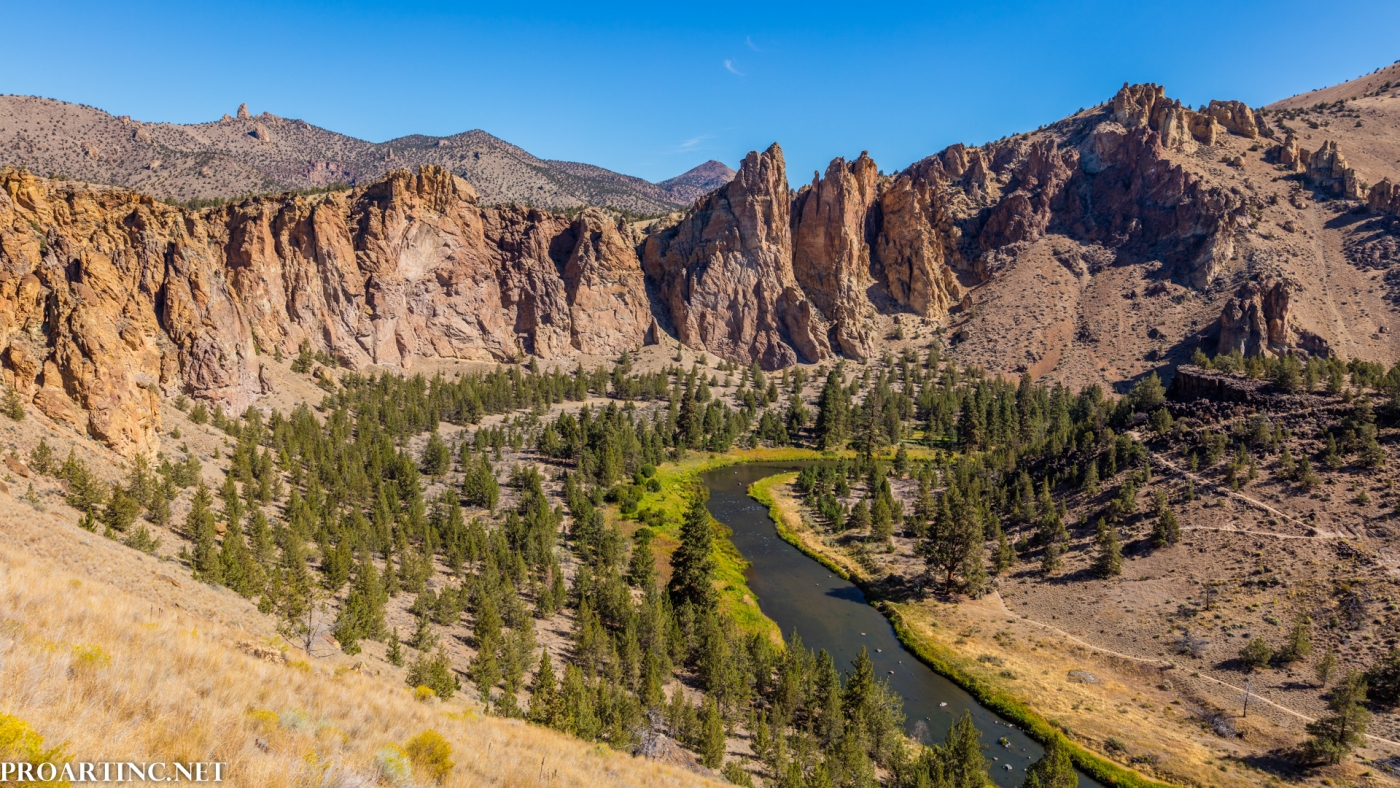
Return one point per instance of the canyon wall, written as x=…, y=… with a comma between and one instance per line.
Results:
x=110, y=300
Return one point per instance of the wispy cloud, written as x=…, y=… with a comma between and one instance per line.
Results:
x=729, y=66
x=748, y=40
x=691, y=145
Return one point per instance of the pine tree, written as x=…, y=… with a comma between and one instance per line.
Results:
x=833, y=412
x=13, y=406
x=199, y=523
x=362, y=615
x=158, y=509
x=297, y=585
x=963, y=762
x=394, y=652
x=1002, y=555
x=1324, y=667
x=1054, y=769
x=236, y=563
x=693, y=562
x=1333, y=737
x=1050, y=562
x=641, y=569
x=1166, y=531
x=711, y=734
x=1299, y=645
x=121, y=510
x=424, y=639
x=233, y=505
x=954, y=537
x=486, y=667
x=544, y=694
x=436, y=458
x=1090, y=484
x=1109, y=560
x=860, y=516
x=434, y=672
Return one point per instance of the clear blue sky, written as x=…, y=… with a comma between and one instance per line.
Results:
x=654, y=89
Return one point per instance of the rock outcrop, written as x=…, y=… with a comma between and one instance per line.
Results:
x=1384, y=198
x=119, y=299
x=110, y=300
x=723, y=272
x=1328, y=170
x=917, y=246
x=831, y=230
x=1256, y=322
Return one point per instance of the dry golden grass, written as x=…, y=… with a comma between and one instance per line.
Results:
x=112, y=676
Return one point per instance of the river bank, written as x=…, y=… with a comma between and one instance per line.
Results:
x=1017, y=662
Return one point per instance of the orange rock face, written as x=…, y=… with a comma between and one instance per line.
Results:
x=116, y=299
x=110, y=300
x=724, y=272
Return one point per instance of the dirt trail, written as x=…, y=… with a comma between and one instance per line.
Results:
x=1163, y=663
x=1255, y=502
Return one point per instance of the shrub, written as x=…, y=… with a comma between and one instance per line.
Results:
x=393, y=765
x=431, y=753
x=19, y=742
x=435, y=673
x=1256, y=654
x=90, y=657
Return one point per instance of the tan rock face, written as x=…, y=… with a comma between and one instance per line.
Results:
x=1235, y=117
x=1384, y=198
x=130, y=298
x=1256, y=321
x=831, y=249
x=1327, y=168
x=1181, y=127
x=724, y=272
x=917, y=246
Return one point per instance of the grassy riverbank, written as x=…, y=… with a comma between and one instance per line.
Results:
x=678, y=481
x=993, y=689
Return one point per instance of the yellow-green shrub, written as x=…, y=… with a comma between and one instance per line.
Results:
x=20, y=742
x=431, y=753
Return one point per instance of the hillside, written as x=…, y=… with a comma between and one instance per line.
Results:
x=146, y=664
x=254, y=154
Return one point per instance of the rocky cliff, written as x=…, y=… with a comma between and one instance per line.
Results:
x=723, y=272
x=110, y=300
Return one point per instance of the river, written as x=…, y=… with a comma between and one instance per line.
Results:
x=831, y=613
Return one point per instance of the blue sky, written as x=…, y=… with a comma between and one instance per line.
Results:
x=654, y=89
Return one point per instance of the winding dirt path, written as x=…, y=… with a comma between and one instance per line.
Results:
x=1255, y=502
x=1165, y=664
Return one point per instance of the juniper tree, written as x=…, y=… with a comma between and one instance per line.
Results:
x=1334, y=736
x=693, y=562
x=199, y=524
x=544, y=700
x=1108, y=561
x=1054, y=769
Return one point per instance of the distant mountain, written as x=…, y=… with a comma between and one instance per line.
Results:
x=696, y=183
x=245, y=153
